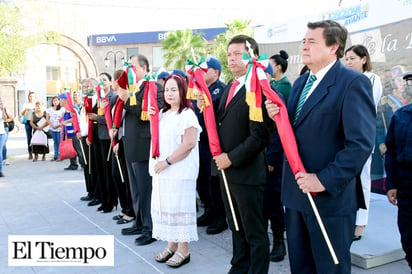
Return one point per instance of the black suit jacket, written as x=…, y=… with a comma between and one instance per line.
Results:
x=335, y=134
x=242, y=139
x=137, y=132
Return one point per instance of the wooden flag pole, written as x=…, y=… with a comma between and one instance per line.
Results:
x=84, y=156
x=120, y=168
x=90, y=160
x=229, y=198
x=322, y=228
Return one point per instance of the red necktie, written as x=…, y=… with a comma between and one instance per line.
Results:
x=231, y=92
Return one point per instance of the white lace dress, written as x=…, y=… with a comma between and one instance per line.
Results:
x=174, y=189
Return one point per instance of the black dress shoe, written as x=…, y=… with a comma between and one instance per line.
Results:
x=71, y=167
x=205, y=219
x=93, y=202
x=117, y=217
x=217, y=227
x=86, y=198
x=144, y=240
x=357, y=237
x=132, y=231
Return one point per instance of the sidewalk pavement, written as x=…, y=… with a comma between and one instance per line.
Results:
x=40, y=198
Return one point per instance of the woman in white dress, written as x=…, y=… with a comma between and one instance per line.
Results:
x=174, y=174
x=357, y=57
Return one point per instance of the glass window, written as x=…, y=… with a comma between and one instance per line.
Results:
x=158, y=61
x=52, y=73
x=131, y=52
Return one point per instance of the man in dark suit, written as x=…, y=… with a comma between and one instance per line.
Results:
x=136, y=137
x=243, y=142
x=334, y=125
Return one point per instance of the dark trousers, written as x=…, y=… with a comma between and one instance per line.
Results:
x=272, y=206
x=208, y=186
x=108, y=193
x=250, y=243
x=405, y=222
x=76, y=146
x=203, y=178
x=141, y=193
x=119, y=170
x=308, y=251
x=89, y=178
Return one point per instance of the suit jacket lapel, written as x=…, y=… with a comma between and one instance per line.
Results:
x=294, y=96
x=319, y=93
x=238, y=97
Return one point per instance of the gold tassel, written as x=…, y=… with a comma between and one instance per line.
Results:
x=100, y=111
x=132, y=99
x=250, y=98
x=144, y=116
x=189, y=94
x=207, y=103
x=255, y=114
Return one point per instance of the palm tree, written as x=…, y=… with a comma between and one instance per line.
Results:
x=219, y=50
x=181, y=45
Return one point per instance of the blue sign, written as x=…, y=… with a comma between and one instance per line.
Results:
x=144, y=37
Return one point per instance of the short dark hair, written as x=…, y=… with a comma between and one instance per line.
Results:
x=333, y=33
x=142, y=60
x=109, y=77
x=281, y=59
x=241, y=39
x=361, y=51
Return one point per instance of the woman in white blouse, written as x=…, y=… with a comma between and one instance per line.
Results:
x=174, y=174
x=357, y=57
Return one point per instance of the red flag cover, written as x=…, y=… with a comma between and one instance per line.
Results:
x=286, y=134
x=70, y=107
x=107, y=114
x=208, y=113
x=154, y=119
x=88, y=105
x=122, y=81
x=117, y=114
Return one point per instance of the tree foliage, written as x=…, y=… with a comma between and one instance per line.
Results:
x=13, y=42
x=178, y=47
x=219, y=50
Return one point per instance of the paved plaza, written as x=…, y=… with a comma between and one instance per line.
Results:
x=40, y=198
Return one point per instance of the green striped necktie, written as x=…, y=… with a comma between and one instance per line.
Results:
x=303, y=96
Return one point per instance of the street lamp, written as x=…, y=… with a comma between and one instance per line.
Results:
x=114, y=54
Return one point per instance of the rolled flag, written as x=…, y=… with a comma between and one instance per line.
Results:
x=154, y=119
x=117, y=113
x=256, y=82
x=128, y=80
x=195, y=72
x=100, y=96
x=192, y=90
x=132, y=82
x=145, y=101
x=73, y=112
x=88, y=105
x=253, y=92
